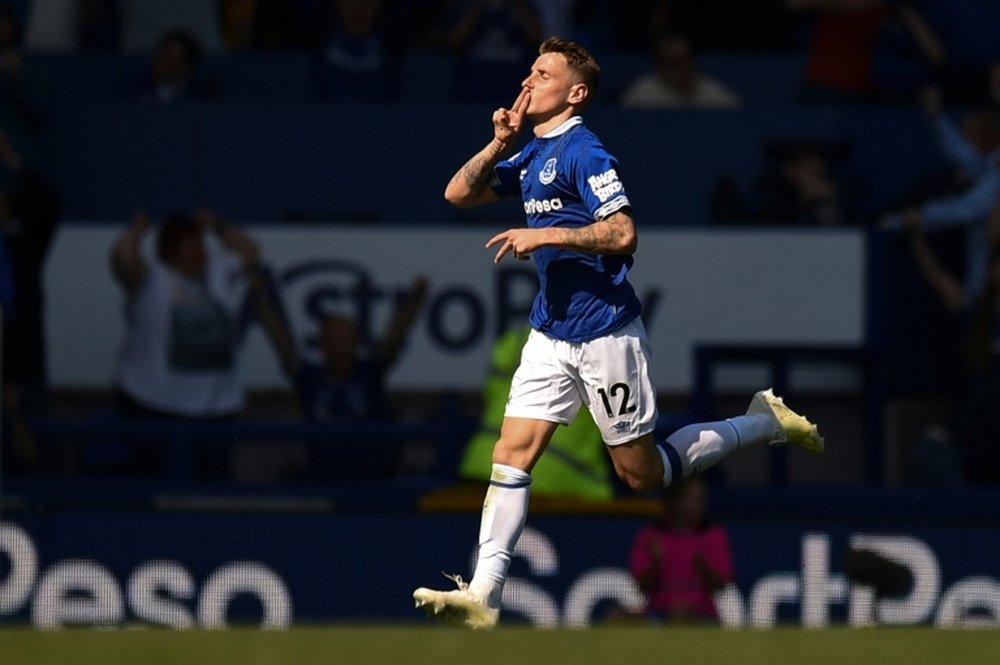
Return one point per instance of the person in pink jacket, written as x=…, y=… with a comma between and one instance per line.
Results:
x=681, y=560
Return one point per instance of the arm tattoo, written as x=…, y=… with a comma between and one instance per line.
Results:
x=476, y=171
x=586, y=238
x=612, y=235
x=621, y=229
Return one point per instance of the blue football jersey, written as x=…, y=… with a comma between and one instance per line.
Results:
x=566, y=178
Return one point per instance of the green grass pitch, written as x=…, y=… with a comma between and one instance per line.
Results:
x=509, y=646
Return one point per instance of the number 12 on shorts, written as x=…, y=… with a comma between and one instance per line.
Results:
x=623, y=405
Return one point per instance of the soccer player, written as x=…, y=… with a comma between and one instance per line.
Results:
x=588, y=345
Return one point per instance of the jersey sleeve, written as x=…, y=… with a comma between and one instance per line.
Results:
x=506, y=179
x=597, y=179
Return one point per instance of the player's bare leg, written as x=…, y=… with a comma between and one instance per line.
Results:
x=505, y=508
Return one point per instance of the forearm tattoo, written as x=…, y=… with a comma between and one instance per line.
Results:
x=585, y=238
x=614, y=234
x=477, y=171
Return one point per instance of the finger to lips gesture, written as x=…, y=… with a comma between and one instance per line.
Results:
x=518, y=241
x=507, y=123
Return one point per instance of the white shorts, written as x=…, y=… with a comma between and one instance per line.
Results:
x=609, y=374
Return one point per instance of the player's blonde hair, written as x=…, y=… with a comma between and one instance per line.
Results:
x=579, y=60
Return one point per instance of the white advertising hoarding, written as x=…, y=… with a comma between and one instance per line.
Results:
x=698, y=286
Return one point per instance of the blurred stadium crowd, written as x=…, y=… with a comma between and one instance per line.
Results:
x=856, y=50
x=756, y=113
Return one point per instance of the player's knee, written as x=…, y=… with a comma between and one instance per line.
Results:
x=513, y=454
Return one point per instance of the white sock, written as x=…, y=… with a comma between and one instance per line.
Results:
x=755, y=429
x=696, y=447
x=505, y=510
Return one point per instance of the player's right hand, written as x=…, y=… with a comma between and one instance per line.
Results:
x=507, y=123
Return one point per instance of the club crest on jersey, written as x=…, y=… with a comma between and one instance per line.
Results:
x=548, y=172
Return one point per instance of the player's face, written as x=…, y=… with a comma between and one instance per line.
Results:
x=554, y=86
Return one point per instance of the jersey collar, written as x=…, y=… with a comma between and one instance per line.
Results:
x=563, y=128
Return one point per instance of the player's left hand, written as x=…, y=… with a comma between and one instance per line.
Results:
x=520, y=242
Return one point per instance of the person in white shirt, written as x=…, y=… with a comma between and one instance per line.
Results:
x=178, y=356
x=676, y=81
